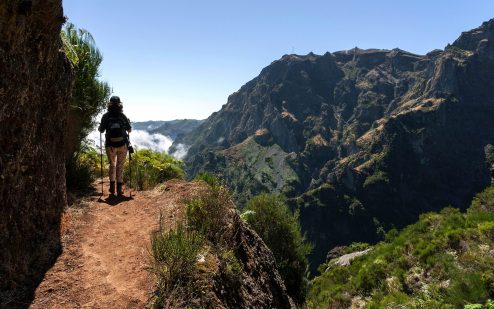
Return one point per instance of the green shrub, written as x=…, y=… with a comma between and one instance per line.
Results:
x=83, y=168
x=489, y=304
x=377, y=177
x=180, y=276
x=488, y=280
x=174, y=254
x=89, y=94
x=280, y=230
x=208, y=212
x=356, y=246
x=150, y=168
x=208, y=178
x=232, y=265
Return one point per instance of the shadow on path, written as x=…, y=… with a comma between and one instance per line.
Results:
x=114, y=200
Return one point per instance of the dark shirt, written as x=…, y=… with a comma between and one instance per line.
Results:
x=113, y=114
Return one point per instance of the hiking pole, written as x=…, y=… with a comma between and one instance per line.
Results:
x=131, y=151
x=101, y=157
x=130, y=173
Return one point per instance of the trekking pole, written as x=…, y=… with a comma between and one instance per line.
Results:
x=130, y=174
x=101, y=156
x=131, y=151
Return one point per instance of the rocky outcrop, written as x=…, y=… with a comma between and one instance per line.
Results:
x=363, y=140
x=35, y=82
x=257, y=284
x=234, y=267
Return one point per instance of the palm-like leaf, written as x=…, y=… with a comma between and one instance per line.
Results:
x=89, y=95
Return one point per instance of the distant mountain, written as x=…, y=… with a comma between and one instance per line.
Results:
x=147, y=125
x=172, y=128
x=361, y=140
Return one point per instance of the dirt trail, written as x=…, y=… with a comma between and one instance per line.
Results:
x=106, y=250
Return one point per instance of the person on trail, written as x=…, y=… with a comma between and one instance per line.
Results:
x=117, y=127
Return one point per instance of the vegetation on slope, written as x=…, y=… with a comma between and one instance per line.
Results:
x=186, y=258
x=223, y=261
x=150, y=168
x=279, y=228
x=445, y=260
x=84, y=168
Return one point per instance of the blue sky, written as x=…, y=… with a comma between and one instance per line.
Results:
x=181, y=59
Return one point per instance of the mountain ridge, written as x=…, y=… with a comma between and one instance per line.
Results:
x=373, y=137
x=170, y=128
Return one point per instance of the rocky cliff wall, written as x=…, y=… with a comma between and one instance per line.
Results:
x=35, y=81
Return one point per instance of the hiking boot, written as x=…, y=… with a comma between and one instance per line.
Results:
x=112, y=187
x=120, y=189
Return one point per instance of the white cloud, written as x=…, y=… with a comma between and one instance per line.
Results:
x=157, y=142
x=93, y=139
x=139, y=139
x=180, y=152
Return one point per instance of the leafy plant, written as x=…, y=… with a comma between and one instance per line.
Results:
x=208, y=212
x=280, y=230
x=233, y=266
x=150, y=168
x=83, y=167
x=89, y=94
x=376, y=178
x=208, y=178
x=187, y=256
x=174, y=254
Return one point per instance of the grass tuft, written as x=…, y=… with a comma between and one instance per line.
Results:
x=175, y=254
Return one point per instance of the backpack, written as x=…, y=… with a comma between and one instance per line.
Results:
x=115, y=132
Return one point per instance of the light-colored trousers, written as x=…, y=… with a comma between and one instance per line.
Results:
x=116, y=157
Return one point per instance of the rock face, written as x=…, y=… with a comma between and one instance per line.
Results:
x=362, y=140
x=35, y=81
x=257, y=285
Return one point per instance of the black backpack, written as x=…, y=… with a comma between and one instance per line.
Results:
x=115, y=132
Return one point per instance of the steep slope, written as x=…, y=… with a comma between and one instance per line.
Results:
x=362, y=140
x=445, y=260
x=35, y=83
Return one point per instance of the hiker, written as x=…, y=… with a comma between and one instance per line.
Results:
x=117, y=127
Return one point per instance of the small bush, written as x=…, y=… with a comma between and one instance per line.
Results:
x=232, y=265
x=181, y=277
x=377, y=177
x=488, y=280
x=280, y=230
x=208, y=212
x=174, y=257
x=150, y=168
x=83, y=168
x=208, y=178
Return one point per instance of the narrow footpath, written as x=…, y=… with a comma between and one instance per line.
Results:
x=106, y=249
